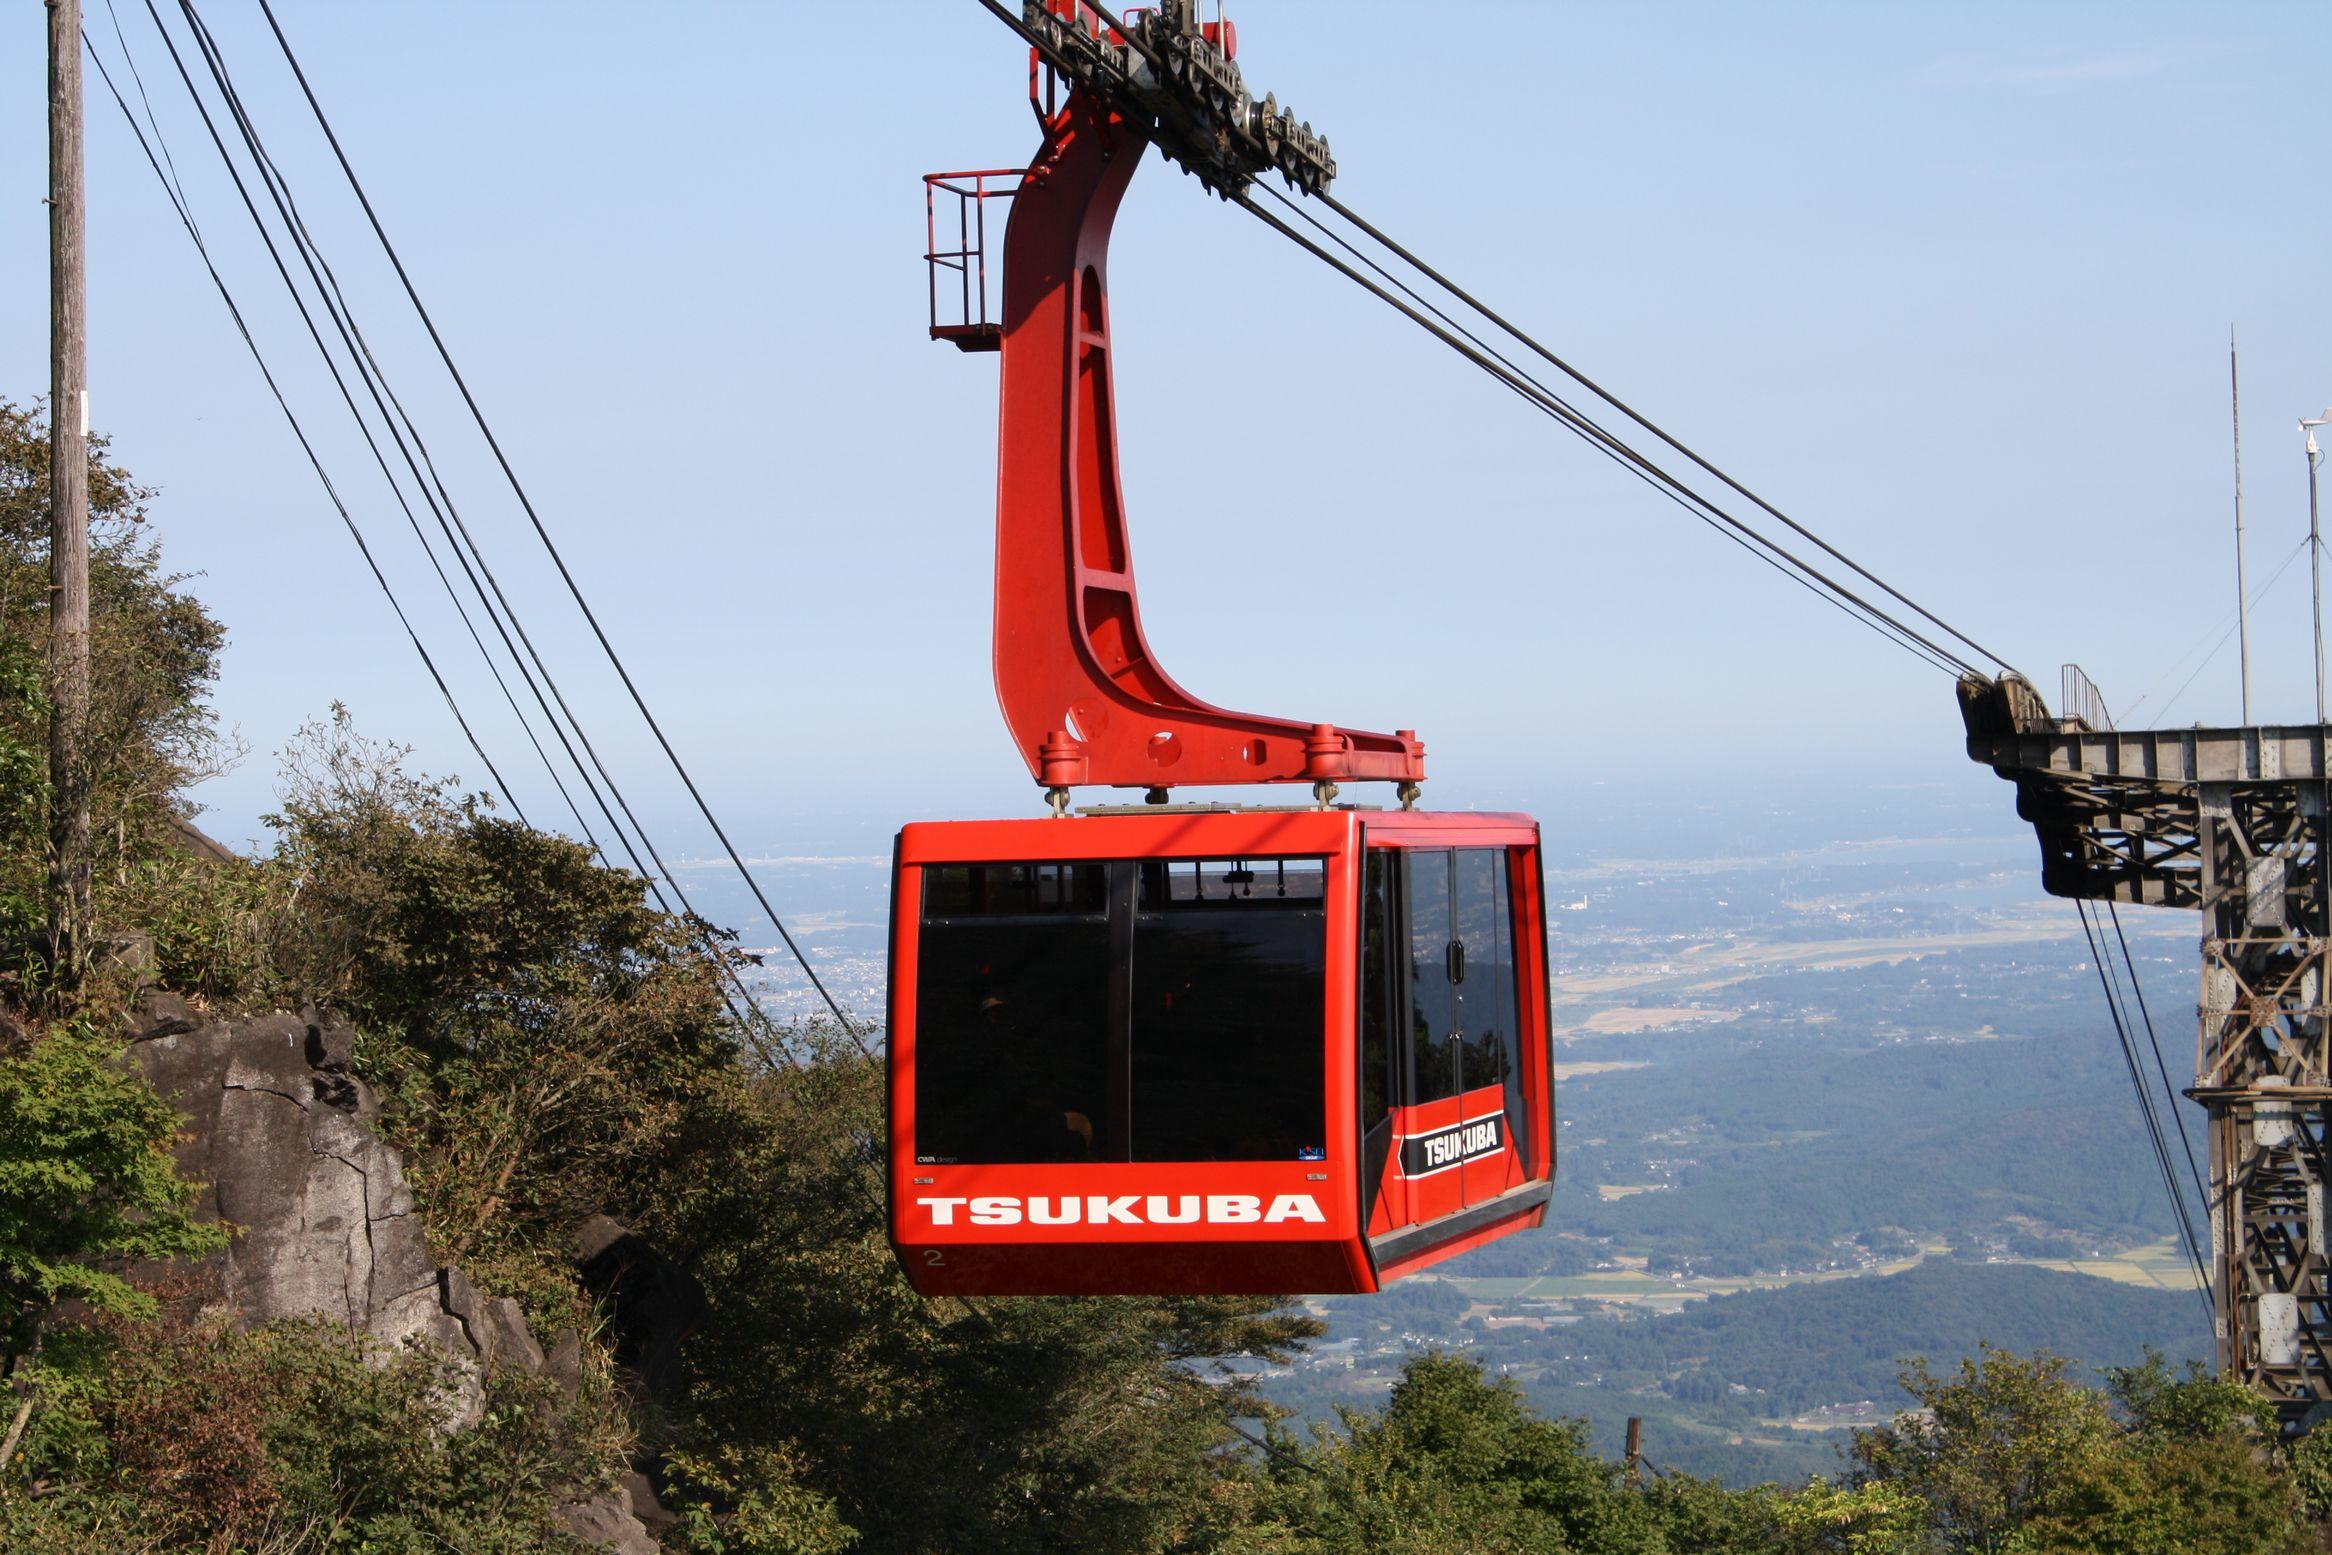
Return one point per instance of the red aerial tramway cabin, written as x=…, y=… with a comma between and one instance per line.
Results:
x=1182, y=1047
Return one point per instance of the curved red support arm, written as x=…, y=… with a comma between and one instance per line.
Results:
x=1081, y=692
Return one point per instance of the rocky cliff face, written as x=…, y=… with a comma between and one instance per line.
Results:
x=282, y=1136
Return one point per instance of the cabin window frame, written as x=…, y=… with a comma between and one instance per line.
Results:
x=1116, y=898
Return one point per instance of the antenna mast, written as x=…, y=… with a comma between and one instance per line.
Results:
x=2242, y=593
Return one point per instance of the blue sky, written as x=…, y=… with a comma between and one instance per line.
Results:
x=1950, y=285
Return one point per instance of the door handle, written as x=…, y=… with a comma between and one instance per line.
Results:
x=1457, y=960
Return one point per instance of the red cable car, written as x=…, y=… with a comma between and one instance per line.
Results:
x=1183, y=1048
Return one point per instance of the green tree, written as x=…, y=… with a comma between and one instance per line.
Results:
x=153, y=656
x=2162, y=1405
x=1707, y=1518
x=2175, y=1496
x=86, y=1184
x=1998, y=1442
x=549, y=1044
x=189, y=1433
x=1454, y=1464
x=2309, y=1461
x=541, y=1034
x=2194, y=1471
x=1006, y=1427
x=1825, y=1519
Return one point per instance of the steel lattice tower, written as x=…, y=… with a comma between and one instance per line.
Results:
x=2228, y=822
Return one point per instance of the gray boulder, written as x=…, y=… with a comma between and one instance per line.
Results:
x=282, y=1136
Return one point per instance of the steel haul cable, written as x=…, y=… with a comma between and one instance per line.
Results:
x=2117, y=1004
x=2161, y=1068
x=754, y=1034
x=1467, y=344
x=542, y=533
x=2190, y=1242
x=1589, y=384
x=300, y=434
x=1733, y=528
x=366, y=367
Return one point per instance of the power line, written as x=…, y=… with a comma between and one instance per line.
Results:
x=543, y=534
x=355, y=533
x=2161, y=1069
x=1474, y=349
x=173, y=192
x=1589, y=384
x=2188, y=1240
x=756, y=1027
x=1499, y=366
x=367, y=367
x=364, y=428
x=171, y=182
x=360, y=355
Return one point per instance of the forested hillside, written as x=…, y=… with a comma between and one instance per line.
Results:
x=657, y=1310
x=1765, y=1162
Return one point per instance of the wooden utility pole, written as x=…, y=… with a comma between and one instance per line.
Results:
x=1635, y=1452
x=68, y=500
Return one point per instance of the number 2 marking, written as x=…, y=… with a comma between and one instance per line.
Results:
x=934, y=1258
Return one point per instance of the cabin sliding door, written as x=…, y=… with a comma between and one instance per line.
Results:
x=1489, y=1055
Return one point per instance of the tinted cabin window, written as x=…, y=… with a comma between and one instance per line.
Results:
x=1433, y=995
x=1229, y=991
x=1012, y=1014
x=1200, y=1041
x=1485, y=992
x=1380, y=987
x=1383, y=941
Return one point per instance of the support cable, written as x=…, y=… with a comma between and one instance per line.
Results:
x=2161, y=1068
x=542, y=533
x=1600, y=392
x=754, y=1036
x=347, y=397
x=2233, y=625
x=2188, y=1241
x=299, y=433
x=1536, y=393
x=1761, y=545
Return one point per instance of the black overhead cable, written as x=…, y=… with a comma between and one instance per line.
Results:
x=1498, y=366
x=171, y=180
x=300, y=433
x=186, y=218
x=363, y=427
x=2188, y=1240
x=757, y=1027
x=368, y=369
x=1537, y=394
x=543, y=533
x=399, y=426
x=2161, y=1068
x=1589, y=384
x=2119, y=1004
